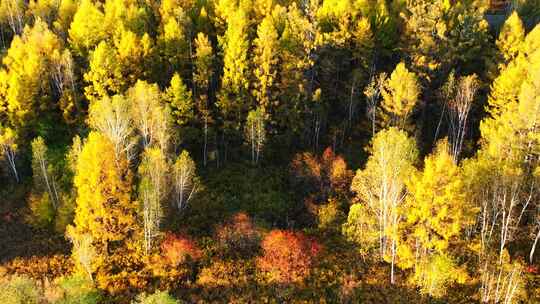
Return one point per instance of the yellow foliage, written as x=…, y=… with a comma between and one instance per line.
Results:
x=27, y=66
x=400, y=95
x=265, y=61
x=105, y=213
x=437, y=211
x=104, y=206
x=511, y=37
x=88, y=27
x=104, y=74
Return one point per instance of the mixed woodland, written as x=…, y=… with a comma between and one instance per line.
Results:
x=269, y=151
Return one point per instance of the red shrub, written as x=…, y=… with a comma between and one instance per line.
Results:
x=288, y=256
x=177, y=248
x=238, y=237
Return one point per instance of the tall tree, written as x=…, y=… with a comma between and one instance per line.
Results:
x=373, y=93
x=255, y=133
x=185, y=180
x=510, y=38
x=459, y=96
x=153, y=189
x=26, y=81
x=44, y=180
x=502, y=176
x=180, y=100
x=112, y=117
x=440, y=34
x=204, y=59
x=174, y=39
x=265, y=62
x=437, y=212
x=13, y=15
x=400, y=95
x=380, y=193
x=105, y=214
x=88, y=28
x=150, y=117
x=232, y=99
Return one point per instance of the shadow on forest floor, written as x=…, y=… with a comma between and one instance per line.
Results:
x=17, y=237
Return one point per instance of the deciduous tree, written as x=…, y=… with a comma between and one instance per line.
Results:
x=105, y=215
x=185, y=180
x=287, y=256
x=112, y=117
x=43, y=177
x=266, y=63
x=8, y=148
x=511, y=37
x=255, y=133
x=400, y=95
x=437, y=212
x=153, y=190
x=374, y=220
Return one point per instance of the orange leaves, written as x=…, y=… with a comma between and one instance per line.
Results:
x=323, y=176
x=178, y=249
x=288, y=256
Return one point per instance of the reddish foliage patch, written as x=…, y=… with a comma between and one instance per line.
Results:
x=532, y=269
x=321, y=176
x=288, y=256
x=177, y=249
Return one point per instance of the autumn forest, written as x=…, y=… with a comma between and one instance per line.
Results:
x=269, y=151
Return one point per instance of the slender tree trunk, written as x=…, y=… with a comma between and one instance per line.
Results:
x=11, y=161
x=533, y=248
x=42, y=165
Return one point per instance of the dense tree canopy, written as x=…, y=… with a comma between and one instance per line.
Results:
x=246, y=151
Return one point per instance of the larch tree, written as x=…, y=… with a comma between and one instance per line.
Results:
x=174, y=39
x=88, y=28
x=441, y=34
x=180, y=100
x=265, y=62
x=45, y=10
x=400, y=95
x=425, y=34
x=502, y=176
x=27, y=74
x=105, y=218
x=104, y=76
x=153, y=190
x=234, y=86
x=202, y=78
x=66, y=12
x=437, y=212
x=115, y=66
x=66, y=210
x=134, y=53
x=380, y=190
x=510, y=38
x=506, y=87
x=185, y=180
